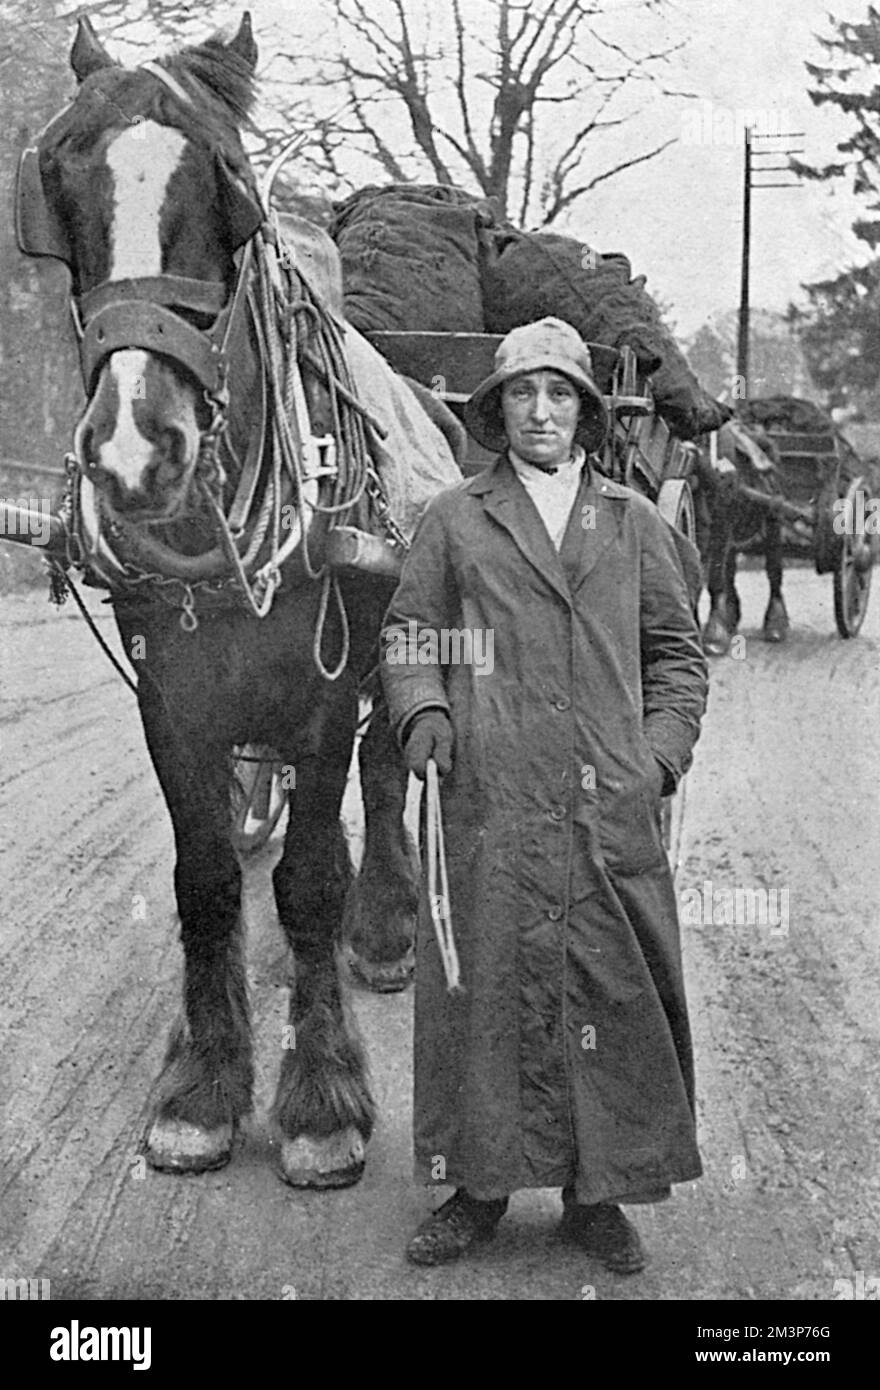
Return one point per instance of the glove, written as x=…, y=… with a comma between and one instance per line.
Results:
x=430, y=736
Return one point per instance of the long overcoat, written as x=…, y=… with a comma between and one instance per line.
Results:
x=566, y=1060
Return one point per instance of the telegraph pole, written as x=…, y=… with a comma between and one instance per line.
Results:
x=742, y=340
x=750, y=168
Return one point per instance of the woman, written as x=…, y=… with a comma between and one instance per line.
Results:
x=566, y=1059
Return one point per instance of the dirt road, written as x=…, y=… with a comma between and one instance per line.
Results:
x=782, y=805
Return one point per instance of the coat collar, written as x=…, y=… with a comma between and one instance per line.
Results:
x=587, y=536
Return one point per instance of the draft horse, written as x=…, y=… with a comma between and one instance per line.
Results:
x=733, y=524
x=200, y=500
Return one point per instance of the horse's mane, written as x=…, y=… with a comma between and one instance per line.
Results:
x=220, y=70
x=219, y=81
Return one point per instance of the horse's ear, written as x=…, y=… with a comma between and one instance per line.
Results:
x=244, y=43
x=87, y=54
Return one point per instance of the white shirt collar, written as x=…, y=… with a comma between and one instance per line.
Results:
x=562, y=476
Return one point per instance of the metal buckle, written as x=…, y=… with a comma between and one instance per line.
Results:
x=319, y=457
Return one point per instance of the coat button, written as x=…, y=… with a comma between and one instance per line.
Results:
x=554, y=913
x=563, y=703
x=558, y=813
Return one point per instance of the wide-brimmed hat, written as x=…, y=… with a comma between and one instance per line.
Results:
x=548, y=345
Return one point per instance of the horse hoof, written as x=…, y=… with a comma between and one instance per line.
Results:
x=776, y=625
x=174, y=1146
x=382, y=977
x=337, y=1161
x=716, y=639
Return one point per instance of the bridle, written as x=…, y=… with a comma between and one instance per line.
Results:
x=285, y=468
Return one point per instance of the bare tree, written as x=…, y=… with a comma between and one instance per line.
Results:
x=504, y=96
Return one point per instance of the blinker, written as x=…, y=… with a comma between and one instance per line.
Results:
x=243, y=215
x=39, y=231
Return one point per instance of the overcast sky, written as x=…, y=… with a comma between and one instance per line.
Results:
x=679, y=218
x=743, y=54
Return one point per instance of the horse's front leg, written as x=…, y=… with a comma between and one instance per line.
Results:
x=206, y=1084
x=723, y=620
x=776, y=622
x=733, y=605
x=380, y=909
x=323, y=1111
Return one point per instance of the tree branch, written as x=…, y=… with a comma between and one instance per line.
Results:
x=565, y=200
x=528, y=172
x=474, y=158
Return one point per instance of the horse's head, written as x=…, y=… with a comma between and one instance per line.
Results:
x=142, y=186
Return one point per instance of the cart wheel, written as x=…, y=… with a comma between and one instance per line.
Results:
x=675, y=504
x=852, y=573
x=258, y=798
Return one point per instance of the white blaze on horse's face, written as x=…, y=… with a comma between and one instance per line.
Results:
x=141, y=161
x=127, y=453
x=141, y=416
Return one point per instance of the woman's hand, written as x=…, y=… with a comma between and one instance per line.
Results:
x=430, y=736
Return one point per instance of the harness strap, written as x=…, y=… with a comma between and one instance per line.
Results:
x=129, y=324
x=177, y=291
x=228, y=317
x=249, y=471
x=168, y=81
x=128, y=316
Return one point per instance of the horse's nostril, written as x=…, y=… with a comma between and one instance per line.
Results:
x=171, y=447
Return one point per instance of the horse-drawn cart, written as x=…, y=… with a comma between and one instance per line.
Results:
x=813, y=485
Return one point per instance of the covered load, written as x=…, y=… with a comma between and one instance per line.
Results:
x=790, y=414
x=430, y=258
x=543, y=273
x=411, y=257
